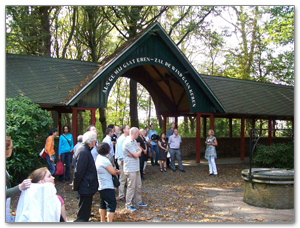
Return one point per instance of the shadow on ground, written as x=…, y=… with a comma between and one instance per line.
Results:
x=192, y=196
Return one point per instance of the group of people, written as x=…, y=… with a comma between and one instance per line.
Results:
x=123, y=153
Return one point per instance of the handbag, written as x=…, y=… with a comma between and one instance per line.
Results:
x=116, y=181
x=168, y=154
x=149, y=153
x=59, y=168
x=42, y=153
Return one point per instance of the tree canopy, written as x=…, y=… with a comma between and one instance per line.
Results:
x=245, y=42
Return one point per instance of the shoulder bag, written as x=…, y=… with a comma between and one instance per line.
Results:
x=115, y=181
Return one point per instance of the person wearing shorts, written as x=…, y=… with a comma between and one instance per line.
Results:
x=105, y=170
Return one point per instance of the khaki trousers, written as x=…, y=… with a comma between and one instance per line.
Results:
x=122, y=179
x=134, y=189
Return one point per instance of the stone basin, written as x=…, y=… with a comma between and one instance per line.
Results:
x=270, y=187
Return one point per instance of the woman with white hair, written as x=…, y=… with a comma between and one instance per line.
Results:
x=211, y=153
x=85, y=176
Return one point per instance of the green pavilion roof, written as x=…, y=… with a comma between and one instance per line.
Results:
x=163, y=70
x=46, y=81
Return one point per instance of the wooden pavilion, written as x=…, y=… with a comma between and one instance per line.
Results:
x=152, y=59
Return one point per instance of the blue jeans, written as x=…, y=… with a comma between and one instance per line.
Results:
x=66, y=159
x=154, y=148
x=50, y=163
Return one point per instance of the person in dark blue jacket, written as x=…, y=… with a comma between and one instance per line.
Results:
x=65, y=151
x=85, y=176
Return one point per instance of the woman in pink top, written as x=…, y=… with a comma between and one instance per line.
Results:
x=42, y=175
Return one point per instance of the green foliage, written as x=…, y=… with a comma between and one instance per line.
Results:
x=279, y=155
x=27, y=125
x=281, y=24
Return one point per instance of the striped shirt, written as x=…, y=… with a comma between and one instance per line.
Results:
x=131, y=164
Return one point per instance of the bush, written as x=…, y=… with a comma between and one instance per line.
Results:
x=279, y=155
x=28, y=126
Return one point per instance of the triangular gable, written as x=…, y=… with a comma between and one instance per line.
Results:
x=151, y=47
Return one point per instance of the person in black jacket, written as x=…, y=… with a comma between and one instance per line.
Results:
x=85, y=176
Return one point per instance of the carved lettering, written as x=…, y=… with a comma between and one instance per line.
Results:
x=117, y=71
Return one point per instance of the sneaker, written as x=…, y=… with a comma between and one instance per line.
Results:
x=142, y=205
x=182, y=170
x=131, y=208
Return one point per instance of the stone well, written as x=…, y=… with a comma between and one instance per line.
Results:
x=270, y=188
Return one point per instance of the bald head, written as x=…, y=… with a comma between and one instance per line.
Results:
x=134, y=132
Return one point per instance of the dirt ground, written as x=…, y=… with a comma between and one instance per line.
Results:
x=192, y=196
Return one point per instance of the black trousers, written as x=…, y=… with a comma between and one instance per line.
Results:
x=85, y=207
x=142, y=165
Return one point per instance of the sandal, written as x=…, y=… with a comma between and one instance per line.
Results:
x=161, y=170
x=165, y=170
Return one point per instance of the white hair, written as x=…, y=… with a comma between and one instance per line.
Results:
x=89, y=137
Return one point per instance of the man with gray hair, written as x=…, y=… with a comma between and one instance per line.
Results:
x=79, y=141
x=132, y=170
x=85, y=176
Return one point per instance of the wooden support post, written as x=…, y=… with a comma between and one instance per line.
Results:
x=93, y=117
x=270, y=132
x=198, y=138
x=243, y=138
x=74, y=125
x=165, y=124
x=59, y=124
x=204, y=126
x=230, y=127
x=212, y=121
x=176, y=122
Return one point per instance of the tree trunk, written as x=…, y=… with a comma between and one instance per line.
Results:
x=102, y=119
x=67, y=119
x=192, y=120
x=54, y=115
x=44, y=12
x=185, y=124
x=133, y=104
x=160, y=121
x=79, y=123
x=149, y=110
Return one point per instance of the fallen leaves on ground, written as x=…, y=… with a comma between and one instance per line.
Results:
x=171, y=196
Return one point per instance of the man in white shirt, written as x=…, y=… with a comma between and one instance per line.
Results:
x=119, y=156
x=174, y=145
x=132, y=171
x=109, y=133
